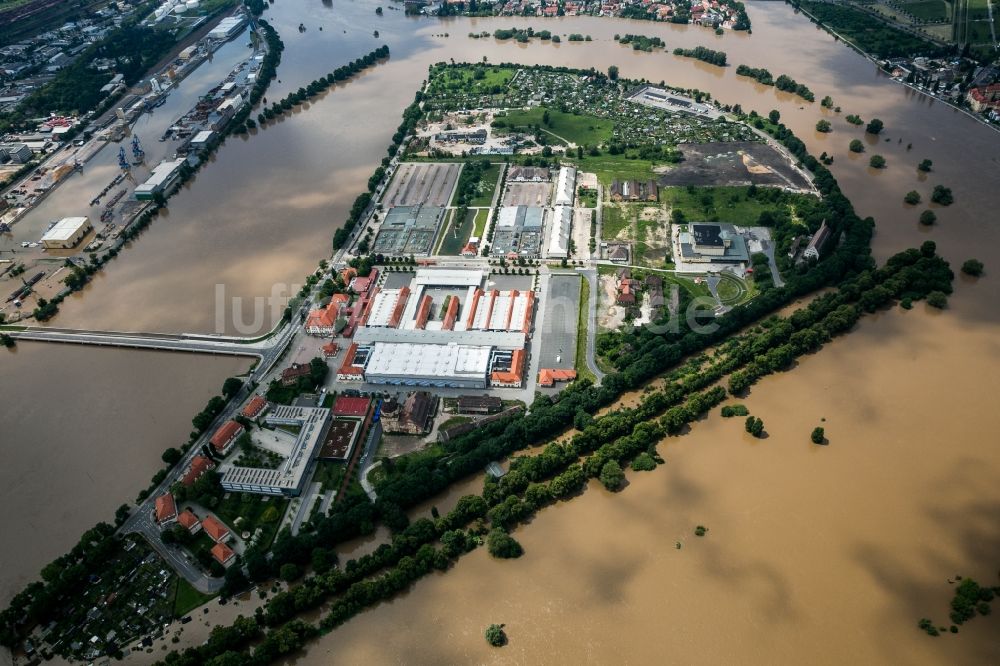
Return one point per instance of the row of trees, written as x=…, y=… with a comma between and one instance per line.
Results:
x=703, y=54
x=315, y=87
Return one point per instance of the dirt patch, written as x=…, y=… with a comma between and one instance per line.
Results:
x=732, y=163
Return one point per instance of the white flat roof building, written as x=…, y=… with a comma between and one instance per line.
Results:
x=227, y=27
x=416, y=364
x=66, y=233
x=163, y=176
x=557, y=246
x=447, y=278
x=383, y=306
x=564, y=186
x=290, y=477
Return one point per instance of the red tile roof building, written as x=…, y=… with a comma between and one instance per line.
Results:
x=549, y=377
x=290, y=376
x=224, y=438
x=218, y=532
x=423, y=311
x=323, y=322
x=347, y=372
x=330, y=349
x=255, y=408
x=363, y=285
x=166, y=509
x=223, y=554
x=199, y=465
x=351, y=406
x=987, y=97
x=189, y=521
x=450, y=315
x=511, y=378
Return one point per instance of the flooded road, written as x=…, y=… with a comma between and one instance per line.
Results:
x=831, y=554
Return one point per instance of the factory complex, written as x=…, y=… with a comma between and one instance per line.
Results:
x=478, y=340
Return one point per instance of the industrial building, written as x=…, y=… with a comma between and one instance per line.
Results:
x=66, y=233
x=408, y=230
x=228, y=27
x=479, y=340
x=557, y=246
x=164, y=176
x=708, y=243
x=565, y=184
x=518, y=232
x=289, y=479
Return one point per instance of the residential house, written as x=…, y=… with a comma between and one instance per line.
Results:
x=189, y=521
x=166, y=510
x=223, y=554
x=224, y=438
x=199, y=465
x=255, y=409
x=214, y=528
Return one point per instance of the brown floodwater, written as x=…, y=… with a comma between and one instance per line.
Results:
x=821, y=555
x=83, y=430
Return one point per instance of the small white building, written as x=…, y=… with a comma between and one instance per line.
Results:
x=564, y=186
x=66, y=233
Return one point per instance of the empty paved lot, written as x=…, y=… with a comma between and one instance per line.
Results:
x=562, y=312
x=527, y=194
x=418, y=183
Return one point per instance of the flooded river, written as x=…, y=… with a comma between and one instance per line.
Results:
x=824, y=555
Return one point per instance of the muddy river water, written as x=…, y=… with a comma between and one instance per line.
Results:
x=815, y=555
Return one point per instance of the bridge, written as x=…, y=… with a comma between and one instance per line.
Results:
x=267, y=348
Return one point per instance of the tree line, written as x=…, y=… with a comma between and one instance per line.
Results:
x=703, y=54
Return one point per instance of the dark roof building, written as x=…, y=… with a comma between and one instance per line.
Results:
x=479, y=404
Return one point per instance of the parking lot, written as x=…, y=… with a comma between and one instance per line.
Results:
x=527, y=194
x=562, y=312
x=418, y=183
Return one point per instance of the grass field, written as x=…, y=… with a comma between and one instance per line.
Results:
x=582, y=369
x=186, y=598
x=454, y=237
x=581, y=130
x=615, y=167
x=732, y=290
x=929, y=10
x=482, y=217
x=613, y=220
x=717, y=204
x=487, y=186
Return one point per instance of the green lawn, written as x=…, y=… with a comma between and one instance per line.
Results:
x=928, y=10
x=615, y=167
x=482, y=217
x=613, y=220
x=487, y=186
x=581, y=130
x=582, y=369
x=454, y=421
x=330, y=474
x=588, y=198
x=716, y=204
x=255, y=512
x=186, y=598
x=454, y=237
x=732, y=290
